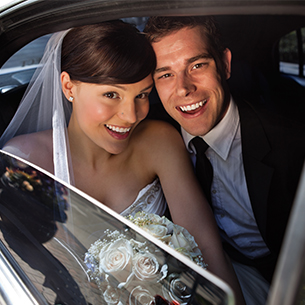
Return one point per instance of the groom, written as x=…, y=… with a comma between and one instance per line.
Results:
x=256, y=158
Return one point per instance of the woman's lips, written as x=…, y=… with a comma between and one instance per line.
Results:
x=118, y=129
x=119, y=133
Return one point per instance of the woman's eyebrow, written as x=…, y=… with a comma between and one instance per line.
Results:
x=150, y=86
x=125, y=89
x=200, y=56
x=119, y=86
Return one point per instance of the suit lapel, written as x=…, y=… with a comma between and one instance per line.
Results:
x=255, y=147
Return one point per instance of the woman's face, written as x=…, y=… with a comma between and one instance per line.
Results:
x=108, y=114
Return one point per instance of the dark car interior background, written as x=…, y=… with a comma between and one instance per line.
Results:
x=263, y=47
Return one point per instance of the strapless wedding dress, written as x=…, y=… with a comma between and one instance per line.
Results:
x=150, y=200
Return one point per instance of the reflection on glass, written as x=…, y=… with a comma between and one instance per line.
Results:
x=75, y=252
x=300, y=298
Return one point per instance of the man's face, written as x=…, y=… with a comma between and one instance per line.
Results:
x=188, y=82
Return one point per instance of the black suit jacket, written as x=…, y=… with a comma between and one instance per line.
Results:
x=273, y=151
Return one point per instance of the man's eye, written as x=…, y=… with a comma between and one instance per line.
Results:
x=111, y=95
x=167, y=75
x=197, y=66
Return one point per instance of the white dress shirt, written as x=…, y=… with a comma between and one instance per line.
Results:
x=229, y=193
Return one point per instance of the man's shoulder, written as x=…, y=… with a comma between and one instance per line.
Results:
x=283, y=136
x=268, y=118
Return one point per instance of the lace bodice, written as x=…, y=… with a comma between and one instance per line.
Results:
x=150, y=200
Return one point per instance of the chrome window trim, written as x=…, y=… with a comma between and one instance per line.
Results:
x=291, y=265
x=15, y=287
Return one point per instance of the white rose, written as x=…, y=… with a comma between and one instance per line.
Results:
x=158, y=231
x=140, y=295
x=111, y=296
x=146, y=267
x=154, y=218
x=181, y=238
x=177, y=289
x=178, y=241
x=166, y=222
x=116, y=259
x=184, y=242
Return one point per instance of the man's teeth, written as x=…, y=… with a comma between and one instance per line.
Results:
x=193, y=106
x=118, y=129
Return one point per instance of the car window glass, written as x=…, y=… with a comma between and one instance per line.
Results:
x=29, y=55
x=292, y=53
x=64, y=243
x=300, y=299
x=19, y=69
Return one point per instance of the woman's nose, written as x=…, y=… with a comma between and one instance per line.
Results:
x=128, y=112
x=184, y=85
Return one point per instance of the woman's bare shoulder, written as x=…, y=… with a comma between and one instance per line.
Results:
x=157, y=129
x=29, y=141
x=35, y=147
x=158, y=137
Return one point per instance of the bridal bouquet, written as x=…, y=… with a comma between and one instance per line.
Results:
x=131, y=270
x=125, y=269
x=172, y=234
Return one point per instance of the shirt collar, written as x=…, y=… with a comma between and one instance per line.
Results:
x=221, y=137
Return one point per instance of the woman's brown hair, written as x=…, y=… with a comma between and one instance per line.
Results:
x=111, y=52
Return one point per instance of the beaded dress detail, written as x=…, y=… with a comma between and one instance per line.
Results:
x=150, y=200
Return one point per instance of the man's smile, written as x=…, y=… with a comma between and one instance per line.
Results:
x=192, y=108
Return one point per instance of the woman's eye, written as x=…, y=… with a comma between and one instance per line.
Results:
x=111, y=95
x=142, y=95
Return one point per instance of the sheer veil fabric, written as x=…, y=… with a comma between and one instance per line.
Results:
x=44, y=107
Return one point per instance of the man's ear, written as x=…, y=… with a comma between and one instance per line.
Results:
x=227, y=57
x=67, y=85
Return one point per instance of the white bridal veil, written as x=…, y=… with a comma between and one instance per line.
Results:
x=44, y=107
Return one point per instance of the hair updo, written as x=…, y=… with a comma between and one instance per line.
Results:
x=112, y=52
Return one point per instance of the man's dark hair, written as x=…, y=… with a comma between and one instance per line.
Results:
x=158, y=27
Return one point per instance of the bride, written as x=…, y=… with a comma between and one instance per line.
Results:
x=82, y=119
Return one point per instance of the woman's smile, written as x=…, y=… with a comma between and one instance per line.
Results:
x=119, y=133
x=118, y=129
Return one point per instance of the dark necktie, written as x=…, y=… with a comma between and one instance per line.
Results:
x=204, y=169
